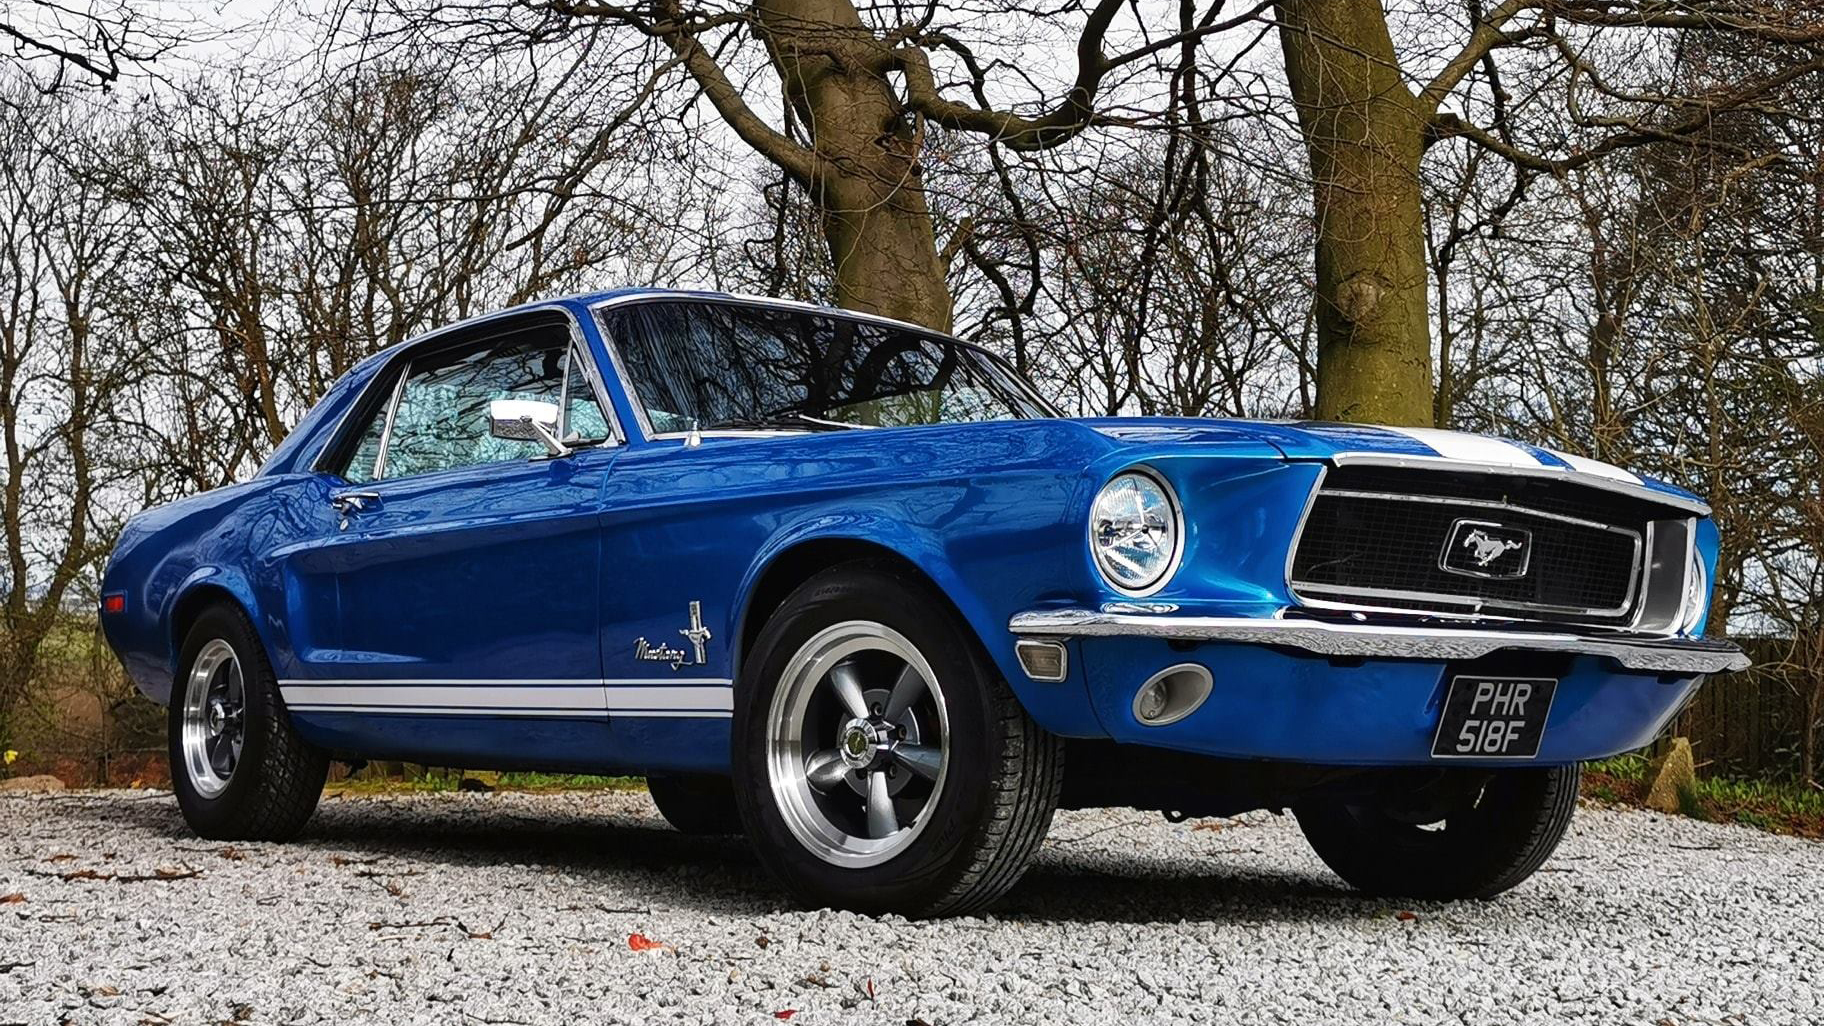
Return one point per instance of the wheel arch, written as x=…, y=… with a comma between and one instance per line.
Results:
x=206, y=587
x=775, y=578
x=796, y=555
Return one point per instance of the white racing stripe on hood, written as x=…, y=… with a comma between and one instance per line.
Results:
x=1585, y=465
x=1456, y=445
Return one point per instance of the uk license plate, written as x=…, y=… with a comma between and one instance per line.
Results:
x=1493, y=717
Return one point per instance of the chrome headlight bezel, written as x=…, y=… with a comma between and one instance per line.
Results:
x=1174, y=522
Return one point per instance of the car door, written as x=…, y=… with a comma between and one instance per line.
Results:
x=466, y=562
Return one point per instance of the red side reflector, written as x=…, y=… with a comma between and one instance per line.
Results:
x=115, y=603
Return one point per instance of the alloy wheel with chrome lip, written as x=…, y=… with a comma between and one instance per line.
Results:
x=215, y=717
x=857, y=753
x=239, y=769
x=881, y=763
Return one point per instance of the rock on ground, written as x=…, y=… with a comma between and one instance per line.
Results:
x=516, y=908
x=40, y=782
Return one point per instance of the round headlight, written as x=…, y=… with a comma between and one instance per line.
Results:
x=1134, y=531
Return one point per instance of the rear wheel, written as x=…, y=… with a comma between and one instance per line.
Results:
x=239, y=770
x=881, y=764
x=1489, y=839
x=694, y=804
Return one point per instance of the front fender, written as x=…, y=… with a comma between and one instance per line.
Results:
x=982, y=597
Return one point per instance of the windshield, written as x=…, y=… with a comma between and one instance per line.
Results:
x=726, y=366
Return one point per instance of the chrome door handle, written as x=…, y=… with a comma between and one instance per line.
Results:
x=354, y=502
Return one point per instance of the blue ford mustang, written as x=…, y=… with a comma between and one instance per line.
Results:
x=857, y=590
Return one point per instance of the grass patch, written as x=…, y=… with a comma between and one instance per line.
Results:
x=1777, y=806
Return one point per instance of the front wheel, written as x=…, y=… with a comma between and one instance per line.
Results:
x=881, y=764
x=239, y=770
x=1491, y=838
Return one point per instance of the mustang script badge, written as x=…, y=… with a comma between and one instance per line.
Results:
x=1483, y=548
x=697, y=634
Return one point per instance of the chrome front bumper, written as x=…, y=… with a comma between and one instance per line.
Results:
x=1386, y=641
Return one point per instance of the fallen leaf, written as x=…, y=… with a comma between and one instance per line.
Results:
x=11, y=899
x=641, y=942
x=231, y=853
x=1405, y=916
x=62, y=856
x=785, y=1013
x=1210, y=825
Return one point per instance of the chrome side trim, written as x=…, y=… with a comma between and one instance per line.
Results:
x=1638, y=491
x=1377, y=641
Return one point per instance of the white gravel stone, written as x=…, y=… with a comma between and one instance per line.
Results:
x=515, y=908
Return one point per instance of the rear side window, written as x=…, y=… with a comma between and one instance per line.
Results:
x=438, y=419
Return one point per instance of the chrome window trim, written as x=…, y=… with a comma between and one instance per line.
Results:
x=392, y=410
x=412, y=349
x=597, y=384
x=1445, y=463
x=612, y=344
x=1631, y=601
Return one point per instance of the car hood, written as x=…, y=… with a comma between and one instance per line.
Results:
x=1369, y=443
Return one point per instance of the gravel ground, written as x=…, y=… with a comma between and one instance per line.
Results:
x=514, y=908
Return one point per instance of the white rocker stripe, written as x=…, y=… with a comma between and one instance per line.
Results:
x=635, y=697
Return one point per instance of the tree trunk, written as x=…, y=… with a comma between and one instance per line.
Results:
x=868, y=183
x=1365, y=133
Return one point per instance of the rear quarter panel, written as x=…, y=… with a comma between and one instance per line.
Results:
x=222, y=542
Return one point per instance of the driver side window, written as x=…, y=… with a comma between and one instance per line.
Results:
x=438, y=417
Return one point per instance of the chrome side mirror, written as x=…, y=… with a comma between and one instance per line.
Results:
x=526, y=420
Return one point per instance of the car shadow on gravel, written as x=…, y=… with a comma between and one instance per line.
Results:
x=633, y=855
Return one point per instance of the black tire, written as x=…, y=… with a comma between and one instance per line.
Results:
x=1477, y=852
x=275, y=784
x=700, y=805
x=1002, y=776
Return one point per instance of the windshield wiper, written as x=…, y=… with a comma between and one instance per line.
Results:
x=782, y=421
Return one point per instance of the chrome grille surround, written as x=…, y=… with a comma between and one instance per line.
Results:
x=1636, y=550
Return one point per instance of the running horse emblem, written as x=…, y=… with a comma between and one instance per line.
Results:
x=1486, y=549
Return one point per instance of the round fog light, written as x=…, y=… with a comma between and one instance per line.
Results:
x=1172, y=694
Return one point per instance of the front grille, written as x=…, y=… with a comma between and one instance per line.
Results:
x=1379, y=537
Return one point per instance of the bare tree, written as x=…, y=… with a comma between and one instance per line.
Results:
x=92, y=43
x=62, y=238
